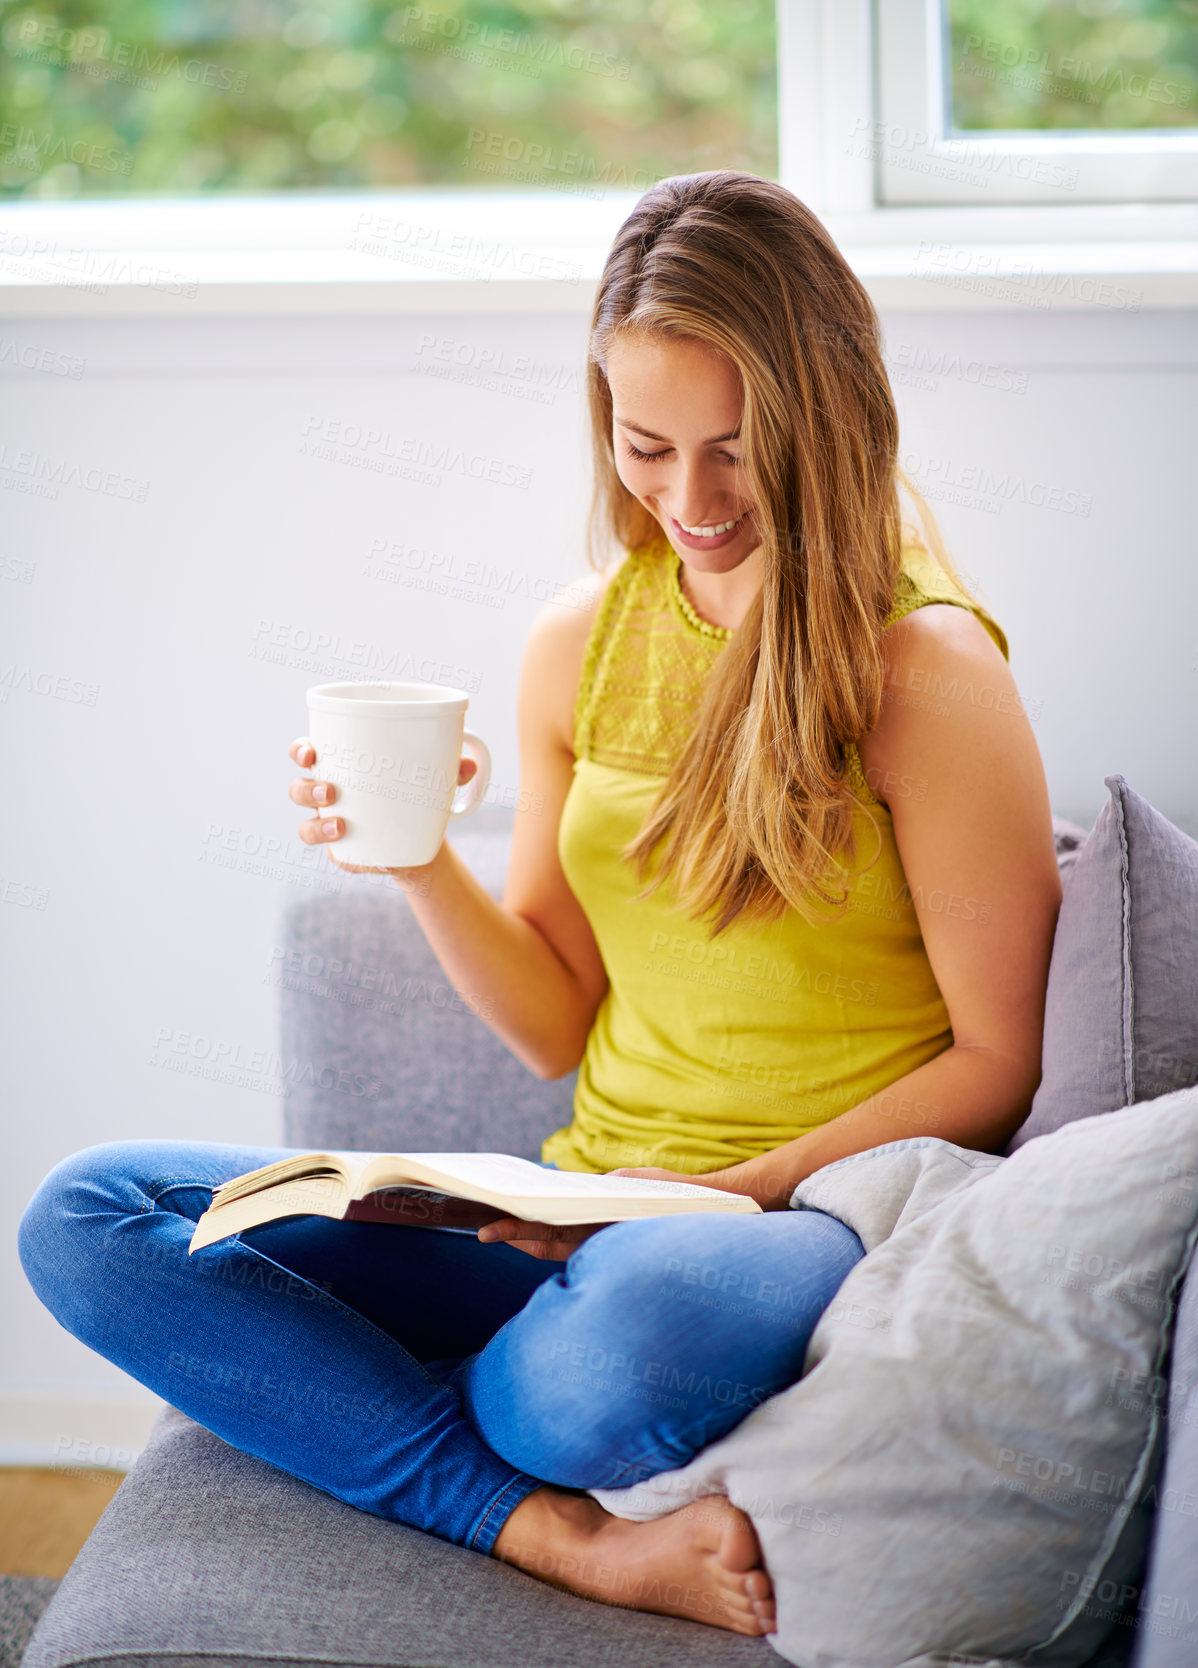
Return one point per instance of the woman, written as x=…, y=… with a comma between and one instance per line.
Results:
x=792, y=896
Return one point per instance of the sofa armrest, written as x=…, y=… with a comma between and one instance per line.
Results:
x=379, y=1051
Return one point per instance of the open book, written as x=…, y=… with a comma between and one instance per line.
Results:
x=442, y=1190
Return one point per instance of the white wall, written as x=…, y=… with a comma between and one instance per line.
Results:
x=139, y=914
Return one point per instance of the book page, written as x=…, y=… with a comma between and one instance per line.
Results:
x=501, y=1173
x=327, y=1163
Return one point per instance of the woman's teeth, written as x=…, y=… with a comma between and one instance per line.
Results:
x=711, y=532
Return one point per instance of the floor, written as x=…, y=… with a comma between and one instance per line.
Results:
x=46, y=1514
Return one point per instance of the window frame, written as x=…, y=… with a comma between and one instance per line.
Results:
x=919, y=163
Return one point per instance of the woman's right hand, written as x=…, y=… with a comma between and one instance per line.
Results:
x=327, y=826
x=305, y=791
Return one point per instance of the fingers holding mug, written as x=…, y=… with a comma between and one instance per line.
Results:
x=476, y=783
x=304, y=790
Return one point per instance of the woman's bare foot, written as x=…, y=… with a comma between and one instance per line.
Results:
x=701, y=1562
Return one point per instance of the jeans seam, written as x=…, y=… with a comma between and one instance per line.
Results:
x=521, y=1477
x=164, y=1186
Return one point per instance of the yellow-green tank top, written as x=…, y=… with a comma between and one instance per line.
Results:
x=707, y=1051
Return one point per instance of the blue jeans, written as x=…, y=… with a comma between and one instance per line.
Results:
x=421, y=1375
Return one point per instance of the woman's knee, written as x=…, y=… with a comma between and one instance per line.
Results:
x=643, y=1282
x=624, y=1267
x=666, y=1329
x=81, y=1201
x=86, y=1187
x=565, y=1388
x=723, y=1265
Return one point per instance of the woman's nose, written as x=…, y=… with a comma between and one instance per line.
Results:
x=696, y=496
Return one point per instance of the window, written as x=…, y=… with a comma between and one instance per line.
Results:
x=253, y=153
x=1036, y=101
x=1090, y=64
x=136, y=98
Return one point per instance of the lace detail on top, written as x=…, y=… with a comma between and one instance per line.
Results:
x=646, y=665
x=650, y=654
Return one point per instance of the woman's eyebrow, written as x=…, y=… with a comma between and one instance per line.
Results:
x=649, y=434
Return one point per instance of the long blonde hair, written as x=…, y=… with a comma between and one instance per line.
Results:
x=757, y=804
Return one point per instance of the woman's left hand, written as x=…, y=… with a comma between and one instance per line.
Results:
x=540, y=1239
x=544, y=1239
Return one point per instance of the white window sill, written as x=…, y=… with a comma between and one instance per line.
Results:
x=537, y=252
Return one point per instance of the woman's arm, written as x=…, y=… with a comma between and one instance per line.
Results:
x=529, y=966
x=974, y=831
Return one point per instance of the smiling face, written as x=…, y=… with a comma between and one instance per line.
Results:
x=675, y=432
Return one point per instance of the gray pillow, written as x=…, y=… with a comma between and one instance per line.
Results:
x=1121, y=1016
x=957, y=1472
x=1067, y=839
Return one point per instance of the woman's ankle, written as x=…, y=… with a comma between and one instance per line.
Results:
x=547, y=1530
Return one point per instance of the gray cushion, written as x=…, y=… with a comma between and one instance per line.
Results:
x=206, y=1552
x=956, y=1474
x=1068, y=838
x=1121, y=1017
x=363, y=997
x=22, y=1600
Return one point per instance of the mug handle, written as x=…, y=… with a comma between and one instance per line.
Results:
x=472, y=792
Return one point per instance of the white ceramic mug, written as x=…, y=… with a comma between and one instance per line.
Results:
x=392, y=751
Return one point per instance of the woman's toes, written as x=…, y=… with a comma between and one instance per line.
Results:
x=744, y=1620
x=757, y=1585
x=739, y=1550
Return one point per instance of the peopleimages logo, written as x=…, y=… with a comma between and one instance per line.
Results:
x=528, y=53
x=534, y=154
x=37, y=469
x=364, y=446
x=26, y=357
x=995, y=487
x=229, y=1062
x=913, y=360
x=93, y=50
x=58, y=686
x=990, y=272
x=27, y=148
x=1095, y=81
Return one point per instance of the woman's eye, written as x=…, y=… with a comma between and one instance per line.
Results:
x=647, y=457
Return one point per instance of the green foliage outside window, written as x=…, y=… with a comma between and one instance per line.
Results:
x=108, y=98
x=1080, y=64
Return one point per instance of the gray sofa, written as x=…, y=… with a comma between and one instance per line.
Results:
x=206, y=1552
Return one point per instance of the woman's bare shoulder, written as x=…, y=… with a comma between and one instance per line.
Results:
x=556, y=646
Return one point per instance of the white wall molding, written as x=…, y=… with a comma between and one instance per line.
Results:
x=538, y=253
x=934, y=275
